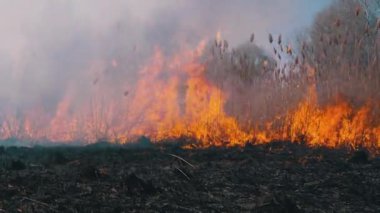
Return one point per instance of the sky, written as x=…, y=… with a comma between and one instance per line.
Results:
x=21, y=20
x=46, y=46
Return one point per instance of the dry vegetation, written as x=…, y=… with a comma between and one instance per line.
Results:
x=334, y=66
x=322, y=89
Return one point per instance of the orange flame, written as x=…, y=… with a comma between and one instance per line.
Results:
x=173, y=98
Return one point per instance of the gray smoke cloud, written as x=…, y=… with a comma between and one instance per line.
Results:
x=49, y=47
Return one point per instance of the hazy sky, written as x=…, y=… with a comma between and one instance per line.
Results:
x=21, y=20
x=45, y=44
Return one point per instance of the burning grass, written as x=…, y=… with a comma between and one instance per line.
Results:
x=322, y=93
x=176, y=99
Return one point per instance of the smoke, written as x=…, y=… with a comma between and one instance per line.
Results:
x=51, y=48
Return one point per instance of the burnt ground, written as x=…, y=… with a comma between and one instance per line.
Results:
x=275, y=177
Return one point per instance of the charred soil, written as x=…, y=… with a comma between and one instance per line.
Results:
x=274, y=177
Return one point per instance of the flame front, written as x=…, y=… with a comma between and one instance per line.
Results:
x=173, y=98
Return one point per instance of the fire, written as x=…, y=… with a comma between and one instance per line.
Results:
x=173, y=98
x=334, y=125
x=160, y=111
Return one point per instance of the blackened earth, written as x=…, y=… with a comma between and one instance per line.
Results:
x=274, y=177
